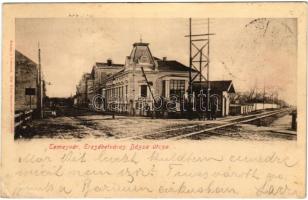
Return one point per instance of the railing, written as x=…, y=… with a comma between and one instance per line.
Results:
x=23, y=117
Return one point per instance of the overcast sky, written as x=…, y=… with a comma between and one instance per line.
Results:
x=251, y=52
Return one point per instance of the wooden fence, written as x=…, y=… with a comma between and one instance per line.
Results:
x=23, y=117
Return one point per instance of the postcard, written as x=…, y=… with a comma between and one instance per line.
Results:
x=154, y=100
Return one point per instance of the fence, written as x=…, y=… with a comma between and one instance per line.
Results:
x=23, y=117
x=237, y=109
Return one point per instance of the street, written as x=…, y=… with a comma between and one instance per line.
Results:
x=75, y=123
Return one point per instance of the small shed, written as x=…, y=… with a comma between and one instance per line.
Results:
x=220, y=92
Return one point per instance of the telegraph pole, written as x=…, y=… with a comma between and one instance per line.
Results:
x=263, y=97
x=190, y=63
x=40, y=92
x=208, y=68
x=199, y=44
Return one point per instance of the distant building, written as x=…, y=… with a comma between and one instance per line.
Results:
x=26, y=82
x=90, y=90
x=220, y=92
x=93, y=83
x=82, y=90
x=100, y=71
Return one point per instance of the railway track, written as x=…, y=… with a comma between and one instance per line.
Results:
x=240, y=121
x=209, y=128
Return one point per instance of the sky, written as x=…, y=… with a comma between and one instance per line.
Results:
x=254, y=53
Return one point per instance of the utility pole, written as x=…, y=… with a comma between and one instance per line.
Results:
x=208, y=67
x=199, y=44
x=134, y=85
x=200, y=68
x=263, y=97
x=40, y=92
x=190, y=63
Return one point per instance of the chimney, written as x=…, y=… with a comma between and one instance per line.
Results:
x=164, y=58
x=109, y=62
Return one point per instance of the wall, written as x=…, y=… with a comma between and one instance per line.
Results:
x=236, y=109
x=25, y=77
x=259, y=106
x=134, y=79
x=100, y=74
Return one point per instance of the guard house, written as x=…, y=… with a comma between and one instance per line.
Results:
x=220, y=92
x=144, y=78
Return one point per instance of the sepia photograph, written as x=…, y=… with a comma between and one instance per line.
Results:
x=156, y=78
x=154, y=100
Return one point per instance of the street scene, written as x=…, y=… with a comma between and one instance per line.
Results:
x=81, y=78
x=89, y=125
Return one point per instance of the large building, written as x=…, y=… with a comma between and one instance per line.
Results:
x=146, y=83
x=143, y=79
x=26, y=83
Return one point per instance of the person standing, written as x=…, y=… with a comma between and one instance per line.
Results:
x=213, y=110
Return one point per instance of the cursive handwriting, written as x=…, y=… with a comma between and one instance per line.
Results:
x=123, y=158
x=183, y=157
x=155, y=172
x=269, y=189
x=89, y=188
x=272, y=158
x=209, y=188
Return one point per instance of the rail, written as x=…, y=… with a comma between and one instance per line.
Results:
x=229, y=124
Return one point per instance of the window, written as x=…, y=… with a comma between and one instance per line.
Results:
x=103, y=93
x=122, y=92
x=177, y=88
x=143, y=90
x=108, y=94
x=126, y=92
x=163, y=89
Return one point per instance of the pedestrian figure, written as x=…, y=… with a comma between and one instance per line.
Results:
x=213, y=110
x=209, y=115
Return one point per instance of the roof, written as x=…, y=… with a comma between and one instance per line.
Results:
x=155, y=58
x=141, y=53
x=21, y=58
x=101, y=64
x=140, y=44
x=171, y=65
x=112, y=75
x=223, y=85
x=105, y=67
x=116, y=73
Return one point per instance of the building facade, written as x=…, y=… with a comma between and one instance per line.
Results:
x=92, y=84
x=100, y=71
x=146, y=83
x=145, y=80
x=82, y=90
x=26, y=83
